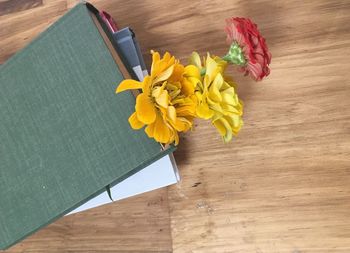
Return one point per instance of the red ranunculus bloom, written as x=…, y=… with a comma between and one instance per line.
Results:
x=244, y=32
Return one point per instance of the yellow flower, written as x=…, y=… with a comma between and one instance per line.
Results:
x=216, y=96
x=167, y=104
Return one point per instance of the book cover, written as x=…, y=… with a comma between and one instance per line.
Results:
x=64, y=134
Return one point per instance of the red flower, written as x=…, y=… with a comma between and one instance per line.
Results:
x=244, y=32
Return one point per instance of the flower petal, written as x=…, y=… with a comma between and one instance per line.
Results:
x=176, y=138
x=155, y=60
x=192, y=71
x=214, y=89
x=128, y=84
x=150, y=130
x=196, y=60
x=164, y=75
x=235, y=122
x=146, y=112
x=204, y=112
x=177, y=73
x=167, y=56
x=211, y=68
x=186, y=110
x=134, y=121
x=182, y=124
x=188, y=87
x=161, y=131
x=220, y=127
x=163, y=99
x=146, y=84
x=224, y=129
x=171, y=113
x=228, y=96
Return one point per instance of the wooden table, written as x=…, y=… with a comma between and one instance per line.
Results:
x=282, y=186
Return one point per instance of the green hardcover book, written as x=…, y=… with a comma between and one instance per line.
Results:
x=64, y=134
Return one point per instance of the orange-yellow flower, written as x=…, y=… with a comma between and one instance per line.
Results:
x=167, y=104
x=216, y=96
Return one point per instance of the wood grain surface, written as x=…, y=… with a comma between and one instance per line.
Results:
x=282, y=186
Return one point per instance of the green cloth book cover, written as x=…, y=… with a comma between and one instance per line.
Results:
x=64, y=133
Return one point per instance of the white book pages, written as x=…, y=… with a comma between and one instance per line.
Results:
x=159, y=174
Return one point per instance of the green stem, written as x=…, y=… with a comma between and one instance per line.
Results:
x=235, y=55
x=227, y=58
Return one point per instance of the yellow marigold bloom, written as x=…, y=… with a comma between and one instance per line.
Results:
x=167, y=104
x=217, y=99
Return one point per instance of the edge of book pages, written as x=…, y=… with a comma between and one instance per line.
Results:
x=159, y=174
